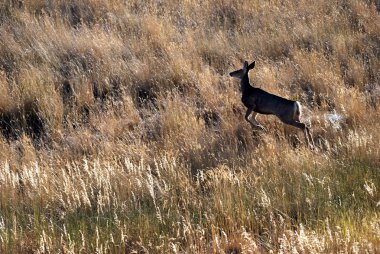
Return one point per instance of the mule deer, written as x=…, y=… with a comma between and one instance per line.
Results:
x=259, y=101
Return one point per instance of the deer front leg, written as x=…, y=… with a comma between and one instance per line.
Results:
x=249, y=111
x=255, y=123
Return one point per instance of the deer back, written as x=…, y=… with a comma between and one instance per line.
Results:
x=266, y=103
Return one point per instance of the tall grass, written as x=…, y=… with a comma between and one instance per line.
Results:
x=122, y=132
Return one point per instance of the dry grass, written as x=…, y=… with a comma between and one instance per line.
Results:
x=122, y=132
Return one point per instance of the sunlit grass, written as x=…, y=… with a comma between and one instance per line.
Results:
x=120, y=130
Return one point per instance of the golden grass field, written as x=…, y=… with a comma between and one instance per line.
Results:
x=122, y=132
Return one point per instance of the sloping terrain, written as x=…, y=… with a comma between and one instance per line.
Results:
x=121, y=131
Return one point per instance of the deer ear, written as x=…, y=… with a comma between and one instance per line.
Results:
x=252, y=65
x=245, y=65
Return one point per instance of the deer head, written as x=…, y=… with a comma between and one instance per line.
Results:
x=242, y=72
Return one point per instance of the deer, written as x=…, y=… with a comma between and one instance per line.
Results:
x=259, y=101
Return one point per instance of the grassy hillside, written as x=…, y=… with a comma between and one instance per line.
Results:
x=121, y=131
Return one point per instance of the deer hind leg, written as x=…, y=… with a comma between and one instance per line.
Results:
x=307, y=131
x=303, y=127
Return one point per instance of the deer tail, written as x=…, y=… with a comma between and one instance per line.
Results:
x=297, y=111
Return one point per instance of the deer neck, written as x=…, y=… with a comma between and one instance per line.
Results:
x=244, y=84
